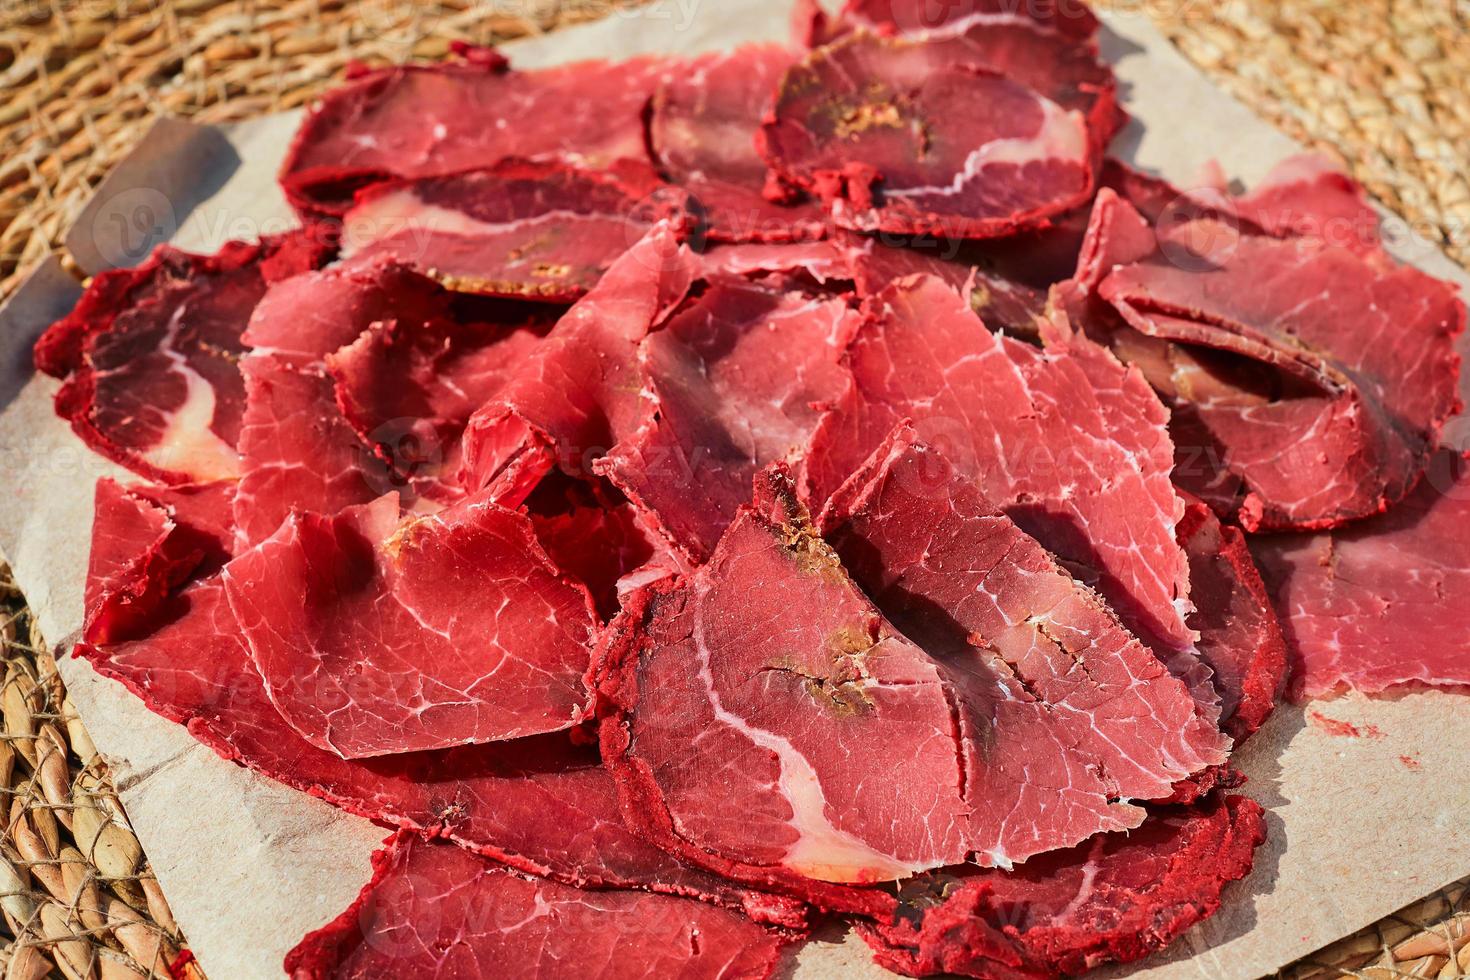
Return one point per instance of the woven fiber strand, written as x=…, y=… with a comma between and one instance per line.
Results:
x=77, y=896
x=81, y=79
x=1430, y=938
x=1379, y=84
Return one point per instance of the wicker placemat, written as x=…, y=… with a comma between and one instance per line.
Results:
x=1377, y=83
x=77, y=895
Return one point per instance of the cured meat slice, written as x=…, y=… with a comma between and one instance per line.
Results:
x=299, y=452
x=1322, y=377
x=304, y=319
x=149, y=356
x=868, y=124
x=824, y=262
x=1240, y=639
x=592, y=534
x=376, y=637
x=147, y=541
x=702, y=134
x=770, y=666
x=1006, y=279
x=1380, y=602
x=1307, y=196
x=541, y=231
x=577, y=395
x=1073, y=20
x=408, y=388
x=1066, y=442
x=1303, y=196
x=410, y=362
x=435, y=910
x=1065, y=69
x=1114, y=899
x=735, y=379
x=429, y=120
x=541, y=805
x=1036, y=658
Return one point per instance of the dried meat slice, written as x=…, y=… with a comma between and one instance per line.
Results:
x=702, y=135
x=435, y=910
x=771, y=725
x=1380, y=602
x=542, y=805
x=823, y=262
x=1065, y=441
x=594, y=535
x=577, y=395
x=410, y=362
x=868, y=124
x=148, y=540
x=298, y=451
x=520, y=228
x=376, y=637
x=1240, y=638
x=741, y=693
x=409, y=387
x=1114, y=899
x=302, y=320
x=1037, y=658
x=1303, y=196
x=430, y=120
x=1321, y=377
x=1073, y=20
x=149, y=356
x=1006, y=279
x=1307, y=196
x=735, y=378
x=1065, y=67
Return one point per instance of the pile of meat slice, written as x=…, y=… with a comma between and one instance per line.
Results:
x=687, y=499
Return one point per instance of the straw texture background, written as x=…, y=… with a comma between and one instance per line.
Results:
x=1379, y=84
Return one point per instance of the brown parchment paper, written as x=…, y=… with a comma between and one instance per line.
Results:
x=1359, y=826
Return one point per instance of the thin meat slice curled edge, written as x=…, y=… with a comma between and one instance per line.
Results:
x=768, y=723
x=520, y=228
x=1380, y=602
x=1035, y=654
x=299, y=451
x=150, y=355
x=1113, y=899
x=734, y=379
x=1240, y=638
x=870, y=125
x=436, y=910
x=1316, y=378
x=702, y=135
x=1065, y=441
x=426, y=120
x=1038, y=51
x=1075, y=21
x=541, y=805
x=376, y=637
x=578, y=394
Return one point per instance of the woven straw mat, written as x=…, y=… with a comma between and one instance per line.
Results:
x=1378, y=84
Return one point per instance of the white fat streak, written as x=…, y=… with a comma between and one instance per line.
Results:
x=188, y=444
x=402, y=210
x=821, y=851
x=986, y=18
x=1062, y=136
x=1084, y=889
